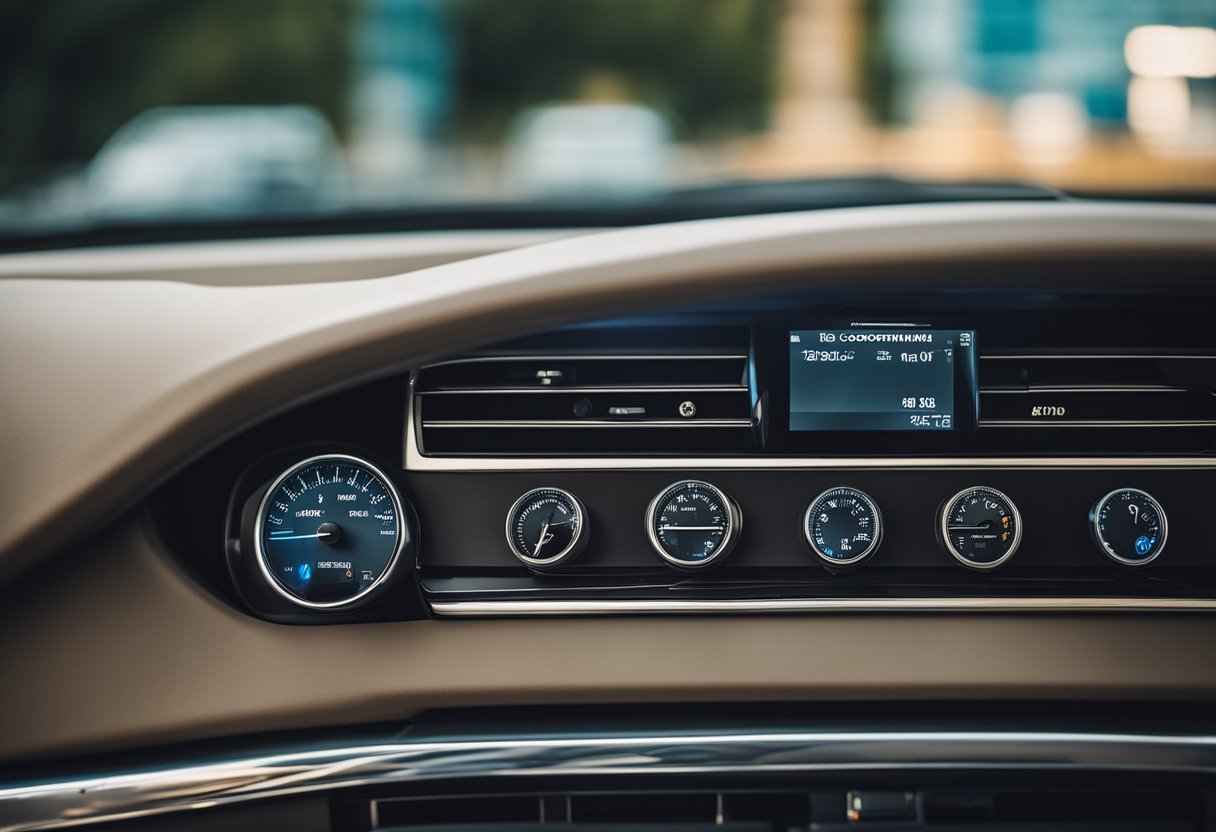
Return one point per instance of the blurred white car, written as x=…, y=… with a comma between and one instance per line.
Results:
x=605, y=149
x=218, y=161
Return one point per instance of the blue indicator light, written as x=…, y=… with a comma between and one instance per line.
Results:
x=305, y=572
x=1143, y=545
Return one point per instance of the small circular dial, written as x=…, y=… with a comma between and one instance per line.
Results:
x=692, y=524
x=546, y=528
x=329, y=532
x=842, y=526
x=980, y=527
x=1129, y=526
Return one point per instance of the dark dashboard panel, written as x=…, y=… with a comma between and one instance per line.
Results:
x=1078, y=395
x=468, y=558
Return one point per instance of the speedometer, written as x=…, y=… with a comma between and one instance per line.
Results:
x=842, y=526
x=329, y=532
x=1129, y=526
x=693, y=524
x=980, y=527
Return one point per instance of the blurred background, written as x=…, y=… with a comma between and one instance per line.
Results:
x=154, y=109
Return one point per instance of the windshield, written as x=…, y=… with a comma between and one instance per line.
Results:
x=131, y=111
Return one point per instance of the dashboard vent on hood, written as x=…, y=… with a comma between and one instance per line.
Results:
x=587, y=403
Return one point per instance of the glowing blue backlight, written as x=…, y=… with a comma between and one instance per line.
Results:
x=305, y=572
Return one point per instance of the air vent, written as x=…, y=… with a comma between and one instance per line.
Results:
x=1097, y=391
x=826, y=807
x=728, y=811
x=586, y=404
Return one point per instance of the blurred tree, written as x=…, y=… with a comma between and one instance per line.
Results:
x=710, y=63
x=73, y=71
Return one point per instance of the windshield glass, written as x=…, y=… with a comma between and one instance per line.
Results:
x=133, y=111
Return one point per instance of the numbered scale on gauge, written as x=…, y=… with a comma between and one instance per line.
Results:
x=329, y=532
x=547, y=527
x=692, y=524
x=1129, y=526
x=980, y=527
x=842, y=526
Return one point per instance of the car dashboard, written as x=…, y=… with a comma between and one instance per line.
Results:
x=887, y=518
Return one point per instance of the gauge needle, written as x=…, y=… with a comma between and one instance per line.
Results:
x=979, y=527
x=544, y=538
x=690, y=528
x=327, y=533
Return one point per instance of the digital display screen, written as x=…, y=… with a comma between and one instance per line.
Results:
x=881, y=379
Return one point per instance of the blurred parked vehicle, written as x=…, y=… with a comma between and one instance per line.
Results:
x=605, y=149
x=218, y=161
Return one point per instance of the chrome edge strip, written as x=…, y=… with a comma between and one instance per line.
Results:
x=126, y=796
x=498, y=424
x=471, y=609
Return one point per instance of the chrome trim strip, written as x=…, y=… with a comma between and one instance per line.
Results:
x=574, y=388
x=590, y=423
x=1081, y=388
x=284, y=773
x=1095, y=423
x=1146, y=356
x=468, y=609
x=705, y=356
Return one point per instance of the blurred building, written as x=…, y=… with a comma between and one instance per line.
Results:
x=401, y=97
x=1000, y=89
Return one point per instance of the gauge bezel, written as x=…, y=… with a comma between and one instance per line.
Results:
x=573, y=548
x=734, y=525
x=814, y=547
x=1103, y=547
x=944, y=528
x=372, y=588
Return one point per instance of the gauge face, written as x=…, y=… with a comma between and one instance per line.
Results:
x=329, y=532
x=546, y=527
x=981, y=527
x=1129, y=526
x=842, y=526
x=692, y=524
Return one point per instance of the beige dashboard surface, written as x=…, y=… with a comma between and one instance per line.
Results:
x=114, y=648
x=108, y=385
x=285, y=261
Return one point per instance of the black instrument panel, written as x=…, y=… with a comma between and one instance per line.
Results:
x=547, y=469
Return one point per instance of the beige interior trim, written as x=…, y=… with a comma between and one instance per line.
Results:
x=323, y=259
x=107, y=386
x=114, y=648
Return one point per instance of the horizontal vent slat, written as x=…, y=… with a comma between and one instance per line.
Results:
x=589, y=404
x=1098, y=391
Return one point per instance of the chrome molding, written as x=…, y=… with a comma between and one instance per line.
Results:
x=283, y=773
x=574, y=388
x=534, y=356
x=497, y=424
x=1093, y=423
x=693, y=606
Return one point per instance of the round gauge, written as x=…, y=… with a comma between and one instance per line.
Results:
x=842, y=526
x=1129, y=526
x=329, y=532
x=692, y=524
x=546, y=528
x=980, y=527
